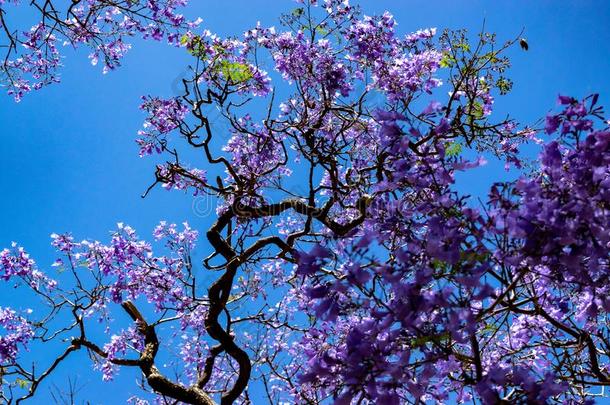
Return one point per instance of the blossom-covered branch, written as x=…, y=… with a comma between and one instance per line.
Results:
x=344, y=265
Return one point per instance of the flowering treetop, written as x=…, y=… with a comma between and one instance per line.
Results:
x=344, y=264
x=31, y=58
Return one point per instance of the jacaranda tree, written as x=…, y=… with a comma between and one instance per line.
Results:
x=345, y=265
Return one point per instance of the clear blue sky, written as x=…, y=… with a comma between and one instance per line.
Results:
x=68, y=161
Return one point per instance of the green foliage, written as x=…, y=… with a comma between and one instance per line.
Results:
x=195, y=45
x=463, y=46
x=489, y=329
x=476, y=110
x=21, y=383
x=453, y=149
x=504, y=85
x=322, y=31
x=235, y=72
x=468, y=256
x=447, y=60
x=423, y=340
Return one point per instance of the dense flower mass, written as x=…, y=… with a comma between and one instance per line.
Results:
x=16, y=263
x=404, y=327
x=129, y=268
x=344, y=264
x=16, y=332
x=165, y=116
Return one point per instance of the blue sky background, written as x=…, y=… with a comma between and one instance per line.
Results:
x=68, y=161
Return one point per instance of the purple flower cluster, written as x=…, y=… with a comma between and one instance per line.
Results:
x=391, y=324
x=256, y=154
x=129, y=268
x=557, y=220
x=164, y=117
x=40, y=61
x=15, y=331
x=103, y=26
x=406, y=329
x=573, y=118
x=16, y=263
x=398, y=66
x=119, y=345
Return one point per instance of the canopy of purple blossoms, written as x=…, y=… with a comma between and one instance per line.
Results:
x=344, y=265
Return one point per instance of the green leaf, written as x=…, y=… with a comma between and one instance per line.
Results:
x=422, y=340
x=464, y=46
x=504, y=85
x=321, y=31
x=490, y=328
x=491, y=57
x=453, y=149
x=196, y=47
x=234, y=71
x=447, y=60
x=438, y=264
x=477, y=110
x=23, y=384
x=219, y=49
